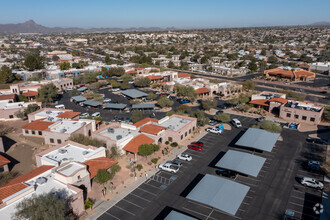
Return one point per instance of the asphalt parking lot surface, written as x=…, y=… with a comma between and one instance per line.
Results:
x=275, y=190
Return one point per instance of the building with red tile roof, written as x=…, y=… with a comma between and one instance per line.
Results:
x=10, y=190
x=69, y=115
x=145, y=121
x=201, y=91
x=12, y=97
x=136, y=142
x=38, y=125
x=152, y=129
x=290, y=73
x=4, y=163
x=184, y=75
x=96, y=164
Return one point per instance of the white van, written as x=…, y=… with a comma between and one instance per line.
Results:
x=236, y=123
x=60, y=106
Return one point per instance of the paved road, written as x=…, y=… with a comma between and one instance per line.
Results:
x=270, y=195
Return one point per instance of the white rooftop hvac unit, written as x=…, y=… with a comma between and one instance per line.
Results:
x=63, y=130
x=111, y=130
x=58, y=113
x=118, y=137
x=62, y=151
x=48, y=112
x=41, y=180
x=85, y=152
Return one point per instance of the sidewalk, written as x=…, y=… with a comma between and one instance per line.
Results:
x=326, y=195
x=103, y=207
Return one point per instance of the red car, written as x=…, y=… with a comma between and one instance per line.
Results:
x=198, y=143
x=195, y=147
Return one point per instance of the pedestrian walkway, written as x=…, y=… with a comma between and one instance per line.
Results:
x=108, y=204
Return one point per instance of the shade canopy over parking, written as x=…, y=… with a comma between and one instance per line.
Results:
x=241, y=162
x=258, y=139
x=114, y=106
x=79, y=98
x=92, y=103
x=82, y=89
x=134, y=93
x=174, y=215
x=143, y=106
x=220, y=193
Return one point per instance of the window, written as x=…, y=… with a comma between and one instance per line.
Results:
x=312, y=119
x=89, y=133
x=288, y=115
x=181, y=137
x=78, y=177
x=185, y=134
x=304, y=118
x=26, y=131
x=59, y=141
x=170, y=139
x=33, y=132
x=51, y=140
x=40, y=133
x=11, y=116
x=193, y=128
x=189, y=131
x=296, y=116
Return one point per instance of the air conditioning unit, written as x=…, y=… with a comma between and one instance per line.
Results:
x=41, y=180
x=62, y=151
x=118, y=137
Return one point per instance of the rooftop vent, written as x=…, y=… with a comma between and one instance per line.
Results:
x=63, y=130
x=50, y=118
x=118, y=137
x=111, y=130
x=48, y=112
x=85, y=152
x=170, y=127
x=62, y=151
x=58, y=113
x=83, y=123
x=41, y=180
x=74, y=123
x=64, y=159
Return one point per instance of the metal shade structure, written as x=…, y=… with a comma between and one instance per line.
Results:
x=114, y=106
x=143, y=106
x=134, y=93
x=92, y=103
x=79, y=98
x=241, y=162
x=174, y=215
x=258, y=139
x=219, y=193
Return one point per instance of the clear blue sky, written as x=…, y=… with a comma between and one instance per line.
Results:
x=165, y=13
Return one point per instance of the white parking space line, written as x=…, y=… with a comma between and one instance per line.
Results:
x=198, y=213
x=124, y=210
x=147, y=191
x=209, y=214
x=112, y=215
x=152, y=185
x=133, y=203
x=208, y=207
x=140, y=197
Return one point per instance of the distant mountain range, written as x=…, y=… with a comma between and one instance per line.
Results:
x=32, y=27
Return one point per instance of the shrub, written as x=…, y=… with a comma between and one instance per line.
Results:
x=269, y=126
x=167, y=142
x=222, y=117
x=174, y=144
x=154, y=160
x=139, y=167
x=88, y=204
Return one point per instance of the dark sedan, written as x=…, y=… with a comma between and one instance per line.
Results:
x=226, y=173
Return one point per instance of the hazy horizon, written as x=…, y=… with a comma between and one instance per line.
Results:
x=178, y=14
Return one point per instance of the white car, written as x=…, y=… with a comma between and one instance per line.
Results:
x=214, y=130
x=310, y=182
x=168, y=167
x=83, y=115
x=96, y=114
x=185, y=157
x=106, y=100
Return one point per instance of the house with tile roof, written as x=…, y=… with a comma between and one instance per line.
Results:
x=127, y=138
x=293, y=74
x=9, y=110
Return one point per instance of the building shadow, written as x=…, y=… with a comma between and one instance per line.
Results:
x=7, y=143
x=310, y=201
x=166, y=211
x=216, y=159
x=13, y=161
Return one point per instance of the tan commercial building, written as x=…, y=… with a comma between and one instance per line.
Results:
x=292, y=74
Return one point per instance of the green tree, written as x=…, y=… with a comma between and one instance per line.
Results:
x=65, y=66
x=208, y=104
x=244, y=98
x=114, y=84
x=126, y=77
x=171, y=65
x=46, y=93
x=44, y=206
x=31, y=108
x=249, y=85
x=243, y=107
x=201, y=118
x=184, y=109
x=142, y=82
x=185, y=92
x=107, y=60
x=74, y=92
x=6, y=75
x=253, y=66
x=233, y=101
x=263, y=52
x=90, y=77
x=102, y=176
x=125, y=85
x=33, y=61
x=164, y=102
x=147, y=149
x=85, y=140
x=22, y=98
x=222, y=117
x=116, y=71
x=269, y=126
x=136, y=116
x=272, y=59
x=151, y=96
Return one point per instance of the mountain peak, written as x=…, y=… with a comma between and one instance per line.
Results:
x=30, y=22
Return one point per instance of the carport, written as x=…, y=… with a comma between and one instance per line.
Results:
x=241, y=162
x=91, y=103
x=133, y=93
x=78, y=98
x=219, y=193
x=174, y=215
x=143, y=106
x=115, y=106
x=82, y=89
x=258, y=139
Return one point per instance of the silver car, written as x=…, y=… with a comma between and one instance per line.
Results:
x=311, y=182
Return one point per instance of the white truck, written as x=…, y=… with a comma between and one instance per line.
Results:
x=214, y=130
x=169, y=167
